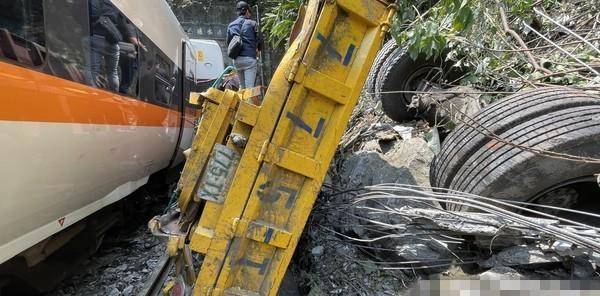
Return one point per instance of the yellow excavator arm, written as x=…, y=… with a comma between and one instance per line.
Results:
x=256, y=168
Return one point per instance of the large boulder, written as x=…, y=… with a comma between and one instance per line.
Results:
x=385, y=160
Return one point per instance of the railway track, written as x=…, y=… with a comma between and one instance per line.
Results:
x=154, y=285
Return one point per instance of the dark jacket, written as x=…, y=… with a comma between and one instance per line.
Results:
x=99, y=8
x=250, y=36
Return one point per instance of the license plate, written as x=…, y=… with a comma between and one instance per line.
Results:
x=218, y=175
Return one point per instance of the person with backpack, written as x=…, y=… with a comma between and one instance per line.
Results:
x=244, y=45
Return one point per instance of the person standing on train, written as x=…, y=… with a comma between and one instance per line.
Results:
x=246, y=63
x=108, y=28
x=129, y=62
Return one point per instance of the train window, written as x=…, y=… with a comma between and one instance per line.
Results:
x=114, y=45
x=88, y=42
x=129, y=68
x=67, y=52
x=164, y=80
x=22, y=32
x=158, y=77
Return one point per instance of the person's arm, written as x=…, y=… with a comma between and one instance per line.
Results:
x=130, y=33
x=133, y=38
x=126, y=28
x=229, y=35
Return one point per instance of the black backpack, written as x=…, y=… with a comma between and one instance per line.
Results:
x=99, y=11
x=111, y=32
x=235, y=46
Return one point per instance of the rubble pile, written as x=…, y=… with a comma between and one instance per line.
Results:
x=494, y=236
x=374, y=150
x=378, y=226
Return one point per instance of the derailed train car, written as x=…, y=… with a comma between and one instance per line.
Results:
x=92, y=104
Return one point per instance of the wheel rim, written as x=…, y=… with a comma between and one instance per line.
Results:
x=576, y=194
x=422, y=80
x=564, y=197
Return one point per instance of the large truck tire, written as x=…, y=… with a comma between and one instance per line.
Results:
x=400, y=75
x=552, y=119
x=387, y=49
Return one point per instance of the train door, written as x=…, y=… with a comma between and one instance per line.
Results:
x=189, y=114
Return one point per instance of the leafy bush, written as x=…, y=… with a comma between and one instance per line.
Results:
x=493, y=54
x=279, y=19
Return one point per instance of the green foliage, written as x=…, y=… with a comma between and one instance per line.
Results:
x=278, y=21
x=425, y=40
x=428, y=34
x=471, y=34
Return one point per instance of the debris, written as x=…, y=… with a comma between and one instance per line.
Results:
x=449, y=107
x=522, y=256
x=433, y=140
x=563, y=248
x=404, y=131
x=417, y=252
x=128, y=290
x=467, y=223
x=379, y=221
x=114, y=291
x=239, y=140
x=583, y=268
x=396, y=161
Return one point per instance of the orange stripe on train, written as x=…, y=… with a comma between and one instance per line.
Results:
x=28, y=95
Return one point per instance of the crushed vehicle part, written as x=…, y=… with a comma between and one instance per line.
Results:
x=401, y=77
x=447, y=108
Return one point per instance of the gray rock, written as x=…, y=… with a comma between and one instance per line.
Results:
x=500, y=273
x=128, y=291
x=113, y=291
x=122, y=267
x=523, y=256
x=456, y=107
x=417, y=252
x=582, y=268
x=405, y=162
x=317, y=251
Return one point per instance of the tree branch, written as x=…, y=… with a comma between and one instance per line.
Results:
x=526, y=50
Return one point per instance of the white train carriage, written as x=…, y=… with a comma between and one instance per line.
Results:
x=73, y=142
